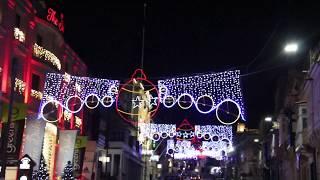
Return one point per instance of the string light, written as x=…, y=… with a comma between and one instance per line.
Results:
x=212, y=131
x=67, y=115
x=42, y=53
x=19, y=86
x=36, y=94
x=18, y=35
x=78, y=121
x=156, y=131
x=65, y=89
x=216, y=87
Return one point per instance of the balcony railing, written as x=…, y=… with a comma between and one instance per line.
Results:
x=46, y=55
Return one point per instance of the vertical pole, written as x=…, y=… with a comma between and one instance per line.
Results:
x=6, y=125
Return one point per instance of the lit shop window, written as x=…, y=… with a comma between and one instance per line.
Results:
x=19, y=35
x=19, y=86
x=46, y=55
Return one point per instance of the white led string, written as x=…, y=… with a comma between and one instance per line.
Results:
x=64, y=89
x=156, y=131
x=217, y=87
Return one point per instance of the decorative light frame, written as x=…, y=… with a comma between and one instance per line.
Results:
x=218, y=87
x=61, y=89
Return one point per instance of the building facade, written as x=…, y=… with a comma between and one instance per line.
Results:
x=31, y=45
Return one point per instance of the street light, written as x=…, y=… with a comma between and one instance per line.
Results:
x=268, y=119
x=291, y=48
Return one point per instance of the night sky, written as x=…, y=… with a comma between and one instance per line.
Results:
x=194, y=37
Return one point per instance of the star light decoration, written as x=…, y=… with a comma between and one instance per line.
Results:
x=62, y=90
x=198, y=90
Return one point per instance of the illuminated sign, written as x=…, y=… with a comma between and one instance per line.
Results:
x=52, y=17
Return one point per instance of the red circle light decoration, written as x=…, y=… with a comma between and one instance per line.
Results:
x=138, y=99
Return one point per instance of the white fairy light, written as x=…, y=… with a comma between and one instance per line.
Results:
x=64, y=89
x=215, y=87
x=156, y=131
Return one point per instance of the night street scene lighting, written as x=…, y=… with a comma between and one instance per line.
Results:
x=159, y=90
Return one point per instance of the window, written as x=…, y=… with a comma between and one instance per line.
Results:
x=304, y=122
x=304, y=111
x=35, y=82
x=66, y=67
x=18, y=21
x=131, y=141
x=39, y=40
x=116, y=164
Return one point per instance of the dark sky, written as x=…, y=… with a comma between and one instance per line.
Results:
x=184, y=38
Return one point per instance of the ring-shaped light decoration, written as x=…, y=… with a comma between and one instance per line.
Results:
x=165, y=100
x=113, y=90
x=172, y=134
x=103, y=101
x=156, y=137
x=164, y=135
x=206, y=137
x=170, y=151
x=44, y=105
x=191, y=99
x=215, y=140
x=226, y=141
x=238, y=107
x=86, y=101
x=134, y=78
x=67, y=104
x=212, y=107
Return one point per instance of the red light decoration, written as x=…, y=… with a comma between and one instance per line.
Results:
x=138, y=99
x=185, y=131
x=51, y=17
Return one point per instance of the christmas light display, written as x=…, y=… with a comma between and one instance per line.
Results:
x=19, y=86
x=156, y=131
x=42, y=53
x=185, y=131
x=212, y=132
x=72, y=92
x=207, y=92
x=68, y=172
x=18, y=35
x=42, y=174
x=36, y=94
x=183, y=149
x=137, y=96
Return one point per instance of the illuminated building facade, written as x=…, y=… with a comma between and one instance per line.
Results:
x=31, y=45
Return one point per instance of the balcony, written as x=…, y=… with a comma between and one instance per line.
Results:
x=19, y=35
x=46, y=55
